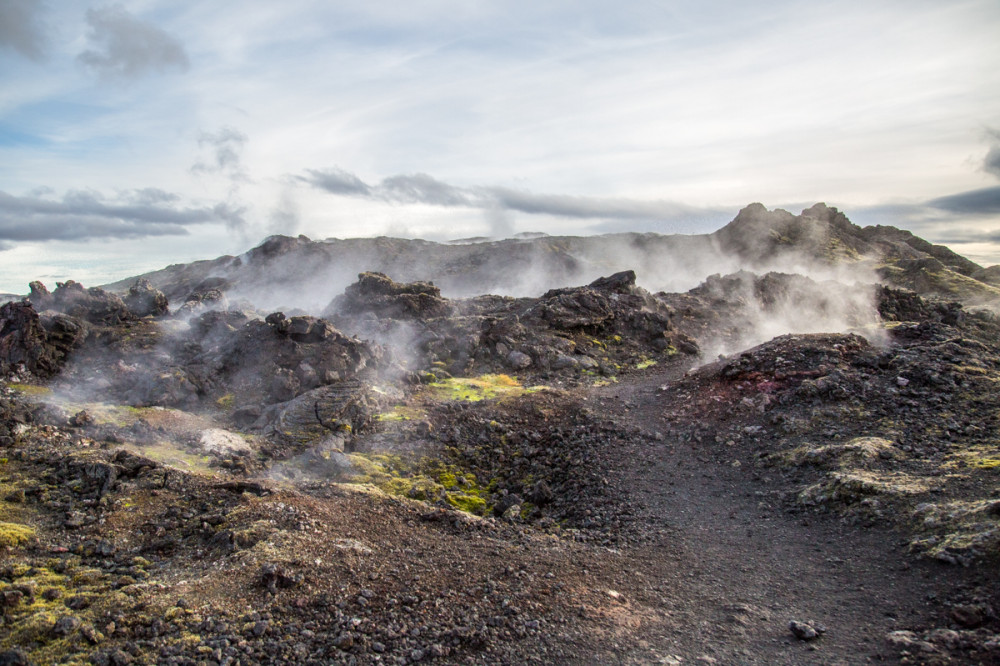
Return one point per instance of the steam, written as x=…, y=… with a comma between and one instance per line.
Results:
x=222, y=156
x=754, y=309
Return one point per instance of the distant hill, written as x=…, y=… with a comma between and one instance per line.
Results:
x=296, y=272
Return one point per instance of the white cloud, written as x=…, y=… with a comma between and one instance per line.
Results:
x=557, y=116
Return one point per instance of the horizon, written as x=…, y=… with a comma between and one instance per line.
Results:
x=123, y=274
x=142, y=134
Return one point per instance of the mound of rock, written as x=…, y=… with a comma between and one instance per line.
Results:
x=380, y=295
x=145, y=300
x=94, y=305
x=37, y=344
x=273, y=360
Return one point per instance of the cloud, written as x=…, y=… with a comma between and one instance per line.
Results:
x=336, y=181
x=226, y=153
x=21, y=27
x=150, y=196
x=496, y=202
x=128, y=48
x=985, y=201
x=85, y=215
x=991, y=164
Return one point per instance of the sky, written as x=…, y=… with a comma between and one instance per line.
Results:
x=138, y=134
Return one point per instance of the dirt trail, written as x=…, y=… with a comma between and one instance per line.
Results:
x=728, y=567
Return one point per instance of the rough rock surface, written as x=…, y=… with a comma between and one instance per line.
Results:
x=94, y=305
x=145, y=300
x=380, y=295
x=546, y=479
x=36, y=344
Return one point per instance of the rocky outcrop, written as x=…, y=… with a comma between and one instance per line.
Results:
x=380, y=295
x=94, y=305
x=144, y=300
x=36, y=344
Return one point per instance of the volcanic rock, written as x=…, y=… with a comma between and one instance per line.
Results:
x=144, y=300
x=94, y=305
x=385, y=298
x=38, y=344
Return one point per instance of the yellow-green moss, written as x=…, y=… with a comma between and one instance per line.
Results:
x=226, y=402
x=473, y=504
x=31, y=389
x=423, y=479
x=645, y=363
x=474, y=389
x=402, y=413
x=13, y=535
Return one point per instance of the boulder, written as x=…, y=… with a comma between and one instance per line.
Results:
x=38, y=344
x=379, y=294
x=145, y=300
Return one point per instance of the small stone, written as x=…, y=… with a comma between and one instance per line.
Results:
x=14, y=658
x=344, y=641
x=970, y=616
x=92, y=635
x=75, y=519
x=805, y=631
x=260, y=628
x=66, y=625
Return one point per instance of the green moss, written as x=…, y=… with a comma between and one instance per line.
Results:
x=13, y=535
x=474, y=389
x=402, y=413
x=473, y=504
x=645, y=363
x=426, y=479
x=226, y=402
x=31, y=389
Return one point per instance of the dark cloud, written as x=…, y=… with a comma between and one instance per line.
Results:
x=974, y=202
x=336, y=181
x=84, y=215
x=21, y=27
x=421, y=188
x=970, y=236
x=496, y=202
x=128, y=48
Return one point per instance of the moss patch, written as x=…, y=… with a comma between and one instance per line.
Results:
x=426, y=479
x=474, y=389
x=13, y=535
x=31, y=389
